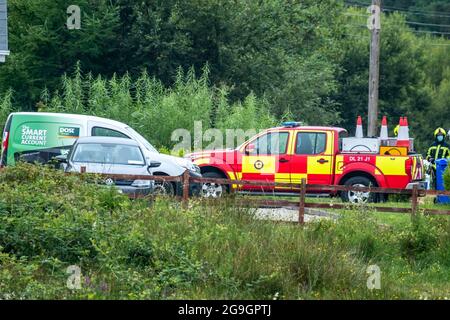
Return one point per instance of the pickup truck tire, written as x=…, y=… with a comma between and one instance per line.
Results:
x=358, y=197
x=213, y=190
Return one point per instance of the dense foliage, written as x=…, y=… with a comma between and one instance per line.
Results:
x=304, y=59
x=128, y=250
x=146, y=104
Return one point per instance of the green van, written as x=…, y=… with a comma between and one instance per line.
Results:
x=39, y=137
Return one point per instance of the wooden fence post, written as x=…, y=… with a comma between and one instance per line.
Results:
x=415, y=194
x=301, y=206
x=186, y=186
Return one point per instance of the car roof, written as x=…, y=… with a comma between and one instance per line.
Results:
x=112, y=140
x=73, y=116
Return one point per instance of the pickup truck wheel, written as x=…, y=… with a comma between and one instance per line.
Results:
x=213, y=190
x=358, y=196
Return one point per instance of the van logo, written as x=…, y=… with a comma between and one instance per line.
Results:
x=69, y=132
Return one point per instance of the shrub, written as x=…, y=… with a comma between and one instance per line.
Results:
x=128, y=250
x=447, y=178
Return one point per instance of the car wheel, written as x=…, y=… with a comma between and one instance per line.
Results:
x=213, y=190
x=358, y=196
x=163, y=188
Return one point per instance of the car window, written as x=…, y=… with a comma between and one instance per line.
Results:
x=108, y=153
x=272, y=143
x=106, y=132
x=310, y=143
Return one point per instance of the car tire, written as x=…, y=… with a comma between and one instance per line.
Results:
x=358, y=197
x=164, y=188
x=213, y=190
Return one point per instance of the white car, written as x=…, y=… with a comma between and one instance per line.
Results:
x=107, y=155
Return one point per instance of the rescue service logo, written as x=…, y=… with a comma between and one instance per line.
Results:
x=258, y=165
x=69, y=132
x=33, y=137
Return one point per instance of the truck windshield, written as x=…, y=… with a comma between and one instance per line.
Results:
x=141, y=139
x=107, y=153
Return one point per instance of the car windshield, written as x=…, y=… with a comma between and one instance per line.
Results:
x=108, y=153
x=141, y=139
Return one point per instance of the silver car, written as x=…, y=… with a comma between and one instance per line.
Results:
x=108, y=155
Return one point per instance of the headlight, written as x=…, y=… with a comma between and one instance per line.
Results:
x=197, y=168
x=141, y=183
x=193, y=167
x=186, y=164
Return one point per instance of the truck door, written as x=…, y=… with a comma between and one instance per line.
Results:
x=312, y=157
x=266, y=158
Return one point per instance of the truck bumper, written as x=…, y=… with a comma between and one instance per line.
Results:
x=421, y=185
x=135, y=191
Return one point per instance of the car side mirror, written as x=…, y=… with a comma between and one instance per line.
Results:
x=250, y=148
x=154, y=164
x=62, y=158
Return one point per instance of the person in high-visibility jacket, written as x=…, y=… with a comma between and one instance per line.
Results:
x=439, y=149
x=396, y=130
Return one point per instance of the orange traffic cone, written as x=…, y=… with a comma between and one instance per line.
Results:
x=406, y=128
x=384, y=129
x=403, y=133
x=359, y=128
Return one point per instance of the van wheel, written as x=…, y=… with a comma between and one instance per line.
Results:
x=358, y=196
x=213, y=190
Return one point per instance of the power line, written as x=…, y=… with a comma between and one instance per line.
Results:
x=412, y=30
x=432, y=32
x=428, y=24
x=417, y=13
x=362, y=37
x=408, y=22
x=387, y=8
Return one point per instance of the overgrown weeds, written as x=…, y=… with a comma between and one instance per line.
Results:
x=127, y=250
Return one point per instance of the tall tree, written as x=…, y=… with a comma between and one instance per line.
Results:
x=42, y=48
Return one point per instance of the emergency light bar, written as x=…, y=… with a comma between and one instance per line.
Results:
x=291, y=124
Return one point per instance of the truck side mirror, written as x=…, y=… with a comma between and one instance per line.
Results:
x=250, y=148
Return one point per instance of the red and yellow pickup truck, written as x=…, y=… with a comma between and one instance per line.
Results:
x=290, y=153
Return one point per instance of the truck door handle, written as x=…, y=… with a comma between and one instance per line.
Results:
x=322, y=161
x=283, y=160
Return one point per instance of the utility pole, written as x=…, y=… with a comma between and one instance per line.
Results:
x=374, y=25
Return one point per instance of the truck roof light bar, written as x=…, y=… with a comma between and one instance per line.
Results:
x=291, y=124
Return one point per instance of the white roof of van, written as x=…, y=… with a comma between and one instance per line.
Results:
x=74, y=116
